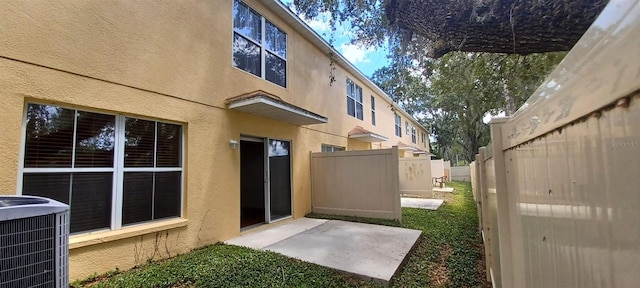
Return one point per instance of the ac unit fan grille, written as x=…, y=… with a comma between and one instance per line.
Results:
x=27, y=252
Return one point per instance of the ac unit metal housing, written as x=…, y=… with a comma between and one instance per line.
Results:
x=34, y=242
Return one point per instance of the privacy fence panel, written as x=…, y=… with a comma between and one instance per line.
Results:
x=437, y=168
x=415, y=176
x=461, y=173
x=558, y=190
x=357, y=183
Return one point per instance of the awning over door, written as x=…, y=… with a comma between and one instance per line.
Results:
x=364, y=135
x=414, y=150
x=402, y=146
x=270, y=106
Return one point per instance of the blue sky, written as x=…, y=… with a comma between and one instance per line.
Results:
x=366, y=59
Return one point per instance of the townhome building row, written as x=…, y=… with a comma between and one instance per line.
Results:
x=174, y=125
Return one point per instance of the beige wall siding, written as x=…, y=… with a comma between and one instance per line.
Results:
x=182, y=50
x=356, y=183
x=415, y=176
x=353, y=145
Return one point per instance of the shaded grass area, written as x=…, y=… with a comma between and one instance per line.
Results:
x=448, y=255
x=227, y=266
x=378, y=221
x=451, y=251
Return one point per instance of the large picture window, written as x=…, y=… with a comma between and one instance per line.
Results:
x=354, y=100
x=97, y=162
x=259, y=47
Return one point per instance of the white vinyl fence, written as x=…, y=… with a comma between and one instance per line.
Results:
x=558, y=189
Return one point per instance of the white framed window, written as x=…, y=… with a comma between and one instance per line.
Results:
x=259, y=46
x=398, y=125
x=373, y=110
x=406, y=126
x=354, y=100
x=423, y=137
x=112, y=170
x=331, y=148
x=413, y=135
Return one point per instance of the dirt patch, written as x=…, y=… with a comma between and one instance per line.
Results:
x=446, y=196
x=481, y=266
x=439, y=273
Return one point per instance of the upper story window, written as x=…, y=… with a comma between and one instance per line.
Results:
x=423, y=137
x=112, y=170
x=259, y=47
x=398, y=125
x=354, y=100
x=414, y=137
x=373, y=110
x=331, y=148
x=406, y=125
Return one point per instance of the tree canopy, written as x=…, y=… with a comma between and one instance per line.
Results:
x=451, y=95
x=461, y=89
x=499, y=26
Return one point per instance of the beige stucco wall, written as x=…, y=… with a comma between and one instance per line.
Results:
x=182, y=50
x=168, y=61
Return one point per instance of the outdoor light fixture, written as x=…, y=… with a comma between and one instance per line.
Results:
x=233, y=144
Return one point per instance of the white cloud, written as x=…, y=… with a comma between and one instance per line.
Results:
x=355, y=54
x=320, y=24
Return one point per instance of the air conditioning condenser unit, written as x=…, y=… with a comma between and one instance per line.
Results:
x=34, y=242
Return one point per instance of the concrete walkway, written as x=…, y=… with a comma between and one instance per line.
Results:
x=431, y=204
x=446, y=189
x=365, y=250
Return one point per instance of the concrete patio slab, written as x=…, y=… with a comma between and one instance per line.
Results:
x=264, y=238
x=431, y=204
x=365, y=250
x=438, y=189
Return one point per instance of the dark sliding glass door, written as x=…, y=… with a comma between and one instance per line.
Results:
x=279, y=179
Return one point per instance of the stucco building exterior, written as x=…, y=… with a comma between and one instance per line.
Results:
x=158, y=122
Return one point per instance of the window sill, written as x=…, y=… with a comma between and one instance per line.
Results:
x=88, y=239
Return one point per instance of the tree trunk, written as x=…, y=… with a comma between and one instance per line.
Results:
x=500, y=26
x=510, y=103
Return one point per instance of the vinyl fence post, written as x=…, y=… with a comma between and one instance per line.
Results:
x=502, y=197
x=483, y=199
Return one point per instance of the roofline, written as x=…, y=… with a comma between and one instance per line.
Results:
x=286, y=14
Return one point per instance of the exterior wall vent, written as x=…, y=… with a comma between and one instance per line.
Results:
x=34, y=242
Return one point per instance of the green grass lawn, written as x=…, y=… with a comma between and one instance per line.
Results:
x=451, y=251
x=448, y=255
